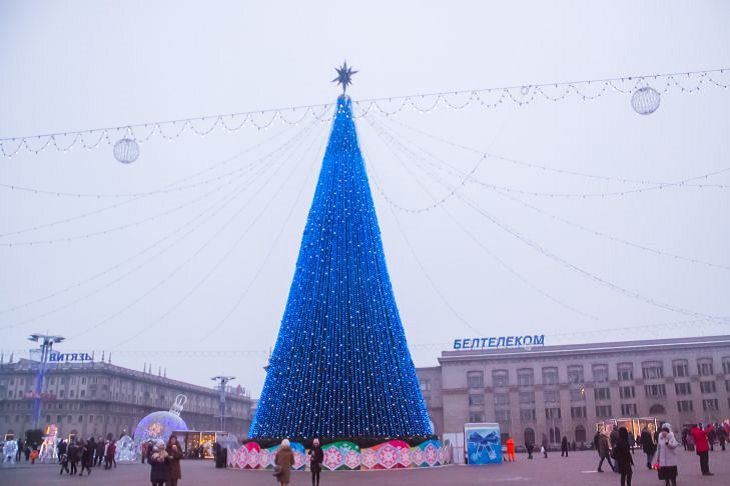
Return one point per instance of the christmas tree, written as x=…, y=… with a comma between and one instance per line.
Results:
x=341, y=366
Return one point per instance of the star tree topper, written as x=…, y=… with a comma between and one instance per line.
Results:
x=344, y=76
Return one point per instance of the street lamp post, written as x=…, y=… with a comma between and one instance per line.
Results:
x=46, y=341
x=222, y=382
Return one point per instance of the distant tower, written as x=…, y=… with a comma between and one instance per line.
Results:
x=341, y=366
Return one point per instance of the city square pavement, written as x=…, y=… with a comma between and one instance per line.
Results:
x=578, y=469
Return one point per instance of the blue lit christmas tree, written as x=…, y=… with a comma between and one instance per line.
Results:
x=341, y=366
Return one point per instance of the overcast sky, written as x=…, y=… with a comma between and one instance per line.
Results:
x=227, y=248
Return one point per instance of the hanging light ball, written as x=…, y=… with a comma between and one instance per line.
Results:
x=126, y=150
x=645, y=101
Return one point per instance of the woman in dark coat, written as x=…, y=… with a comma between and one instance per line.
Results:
x=647, y=445
x=175, y=454
x=315, y=462
x=87, y=454
x=564, y=447
x=285, y=460
x=159, y=471
x=622, y=454
x=604, y=451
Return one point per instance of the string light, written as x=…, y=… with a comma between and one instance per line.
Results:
x=190, y=258
x=155, y=256
x=166, y=189
x=653, y=184
x=481, y=245
x=445, y=166
x=213, y=268
x=341, y=366
x=552, y=256
x=520, y=95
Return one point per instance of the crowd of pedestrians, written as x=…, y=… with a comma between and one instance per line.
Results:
x=77, y=456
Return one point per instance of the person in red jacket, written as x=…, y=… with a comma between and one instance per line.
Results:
x=702, y=446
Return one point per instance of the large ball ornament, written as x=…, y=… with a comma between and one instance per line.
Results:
x=645, y=101
x=126, y=150
x=158, y=425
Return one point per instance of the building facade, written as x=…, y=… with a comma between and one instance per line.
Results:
x=554, y=391
x=97, y=398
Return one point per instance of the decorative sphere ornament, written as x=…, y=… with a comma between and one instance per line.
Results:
x=645, y=101
x=126, y=150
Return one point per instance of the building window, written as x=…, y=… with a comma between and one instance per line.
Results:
x=500, y=378
x=527, y=414
x=501, y=399
x=552, y=413
x=575, y=374
x=652, y=370
x=527, y=397
x=73, y=380
x=83, y=380
x=72, y=394
x=684, y=406
x=680, y=368
x=704, y=367
x=476, y=417
x=683, y=388
x=525, y=377
x=655, y=390
x=627, y=392
x=657, y=409
x=62, y=394
x=727, y=385
x=625, y=371
x=83, y=393
x=578, y=412
x=707, y=386
x=577, y=394
x=81, y=418
x=425, y=385
x=476, y=400
x=52, y=380
x=502, y=416
x=602, y=393
x=475, y=379
x=600, y=373
x=709, y=404
x=726, y=365
x=628, y=410
x=551, y=396
x=550, y=376
x=603, y=411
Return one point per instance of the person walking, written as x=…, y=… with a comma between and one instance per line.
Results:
x=564, y=447
x=666, y=455
x=632, y=442
x=175, y=454
x=64, y=464
x=109, y=452
x=100, y=448
x=647, y=445
x=73, y=456
x=721, y=437
x=604, y=452
x=530, y=447
x=87, y=454
x=622, y=454
x=702, y=447
x=61, y=449
x=510, y=449
x=316, y=456
x=544, y=446
x=159, y=472
x=284, y=461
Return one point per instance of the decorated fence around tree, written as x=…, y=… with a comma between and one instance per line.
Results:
x=394, y=454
